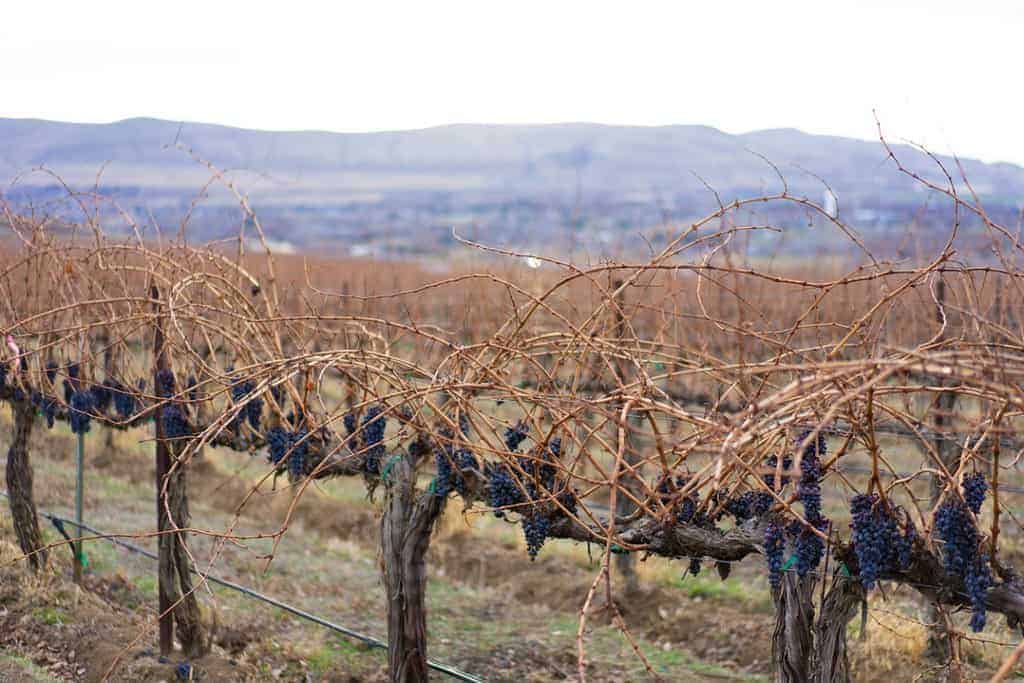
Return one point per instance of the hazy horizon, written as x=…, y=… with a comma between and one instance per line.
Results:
x=738, y=66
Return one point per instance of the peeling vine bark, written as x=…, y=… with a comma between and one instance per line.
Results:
x=831, y=661
x=793, y=637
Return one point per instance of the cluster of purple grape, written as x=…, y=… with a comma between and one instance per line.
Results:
x=452, y=470
x=102, y=395
x=960, y=535
x=300, y=449
x=374, y=424
x=350, y=422
x=975, y=487
x=809, y=486
x=515, y=435
x=465, y=461
x=452, y=464
x=568, y=500
x=443, y=456
x=962, y=555
x=46, y=405
x=174, y=421
x=71, y=382
x=502, y=484
x=809, y=546
x=685, y=509
x=748, y=505
x=772, y=464
x=294, y=446
x=165, y=383
x=878, y=541
x=536, y=528
x=541, y=471
x=125, y=402
x=502, y=489
x=172, y=417
x=252, y=410
x=277, y=443
x=79, y=411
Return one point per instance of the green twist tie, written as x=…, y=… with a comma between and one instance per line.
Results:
x=388, y=465
x=846, y=570
x=789, y=563
x=83, y=560
x=619, y=550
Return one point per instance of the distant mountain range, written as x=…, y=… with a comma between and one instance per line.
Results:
x=389, y=190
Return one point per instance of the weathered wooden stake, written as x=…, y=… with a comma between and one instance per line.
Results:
x=626, y=562
x=938, y=646
x=165, y=567
x=79, y=566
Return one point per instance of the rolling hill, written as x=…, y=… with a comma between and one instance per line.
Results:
x=546, y=176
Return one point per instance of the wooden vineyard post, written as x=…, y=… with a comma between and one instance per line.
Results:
x=625, y=562
x=938, y=647
x=79, y=565
x=165, y=571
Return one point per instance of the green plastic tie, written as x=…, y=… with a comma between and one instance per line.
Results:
x=789, y=563
x=619, y=550
x=846, y=570
x=388, y=465
x=83, y=560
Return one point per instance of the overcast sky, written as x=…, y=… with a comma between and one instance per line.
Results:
x=943, y=73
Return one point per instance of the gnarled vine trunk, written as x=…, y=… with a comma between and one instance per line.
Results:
x=831, y=661
x=176, y=569
x=793, y=637
x=406, y=528
x=174, y=565
x=19, y=487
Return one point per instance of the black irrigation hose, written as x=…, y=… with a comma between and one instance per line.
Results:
x=369, y=640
